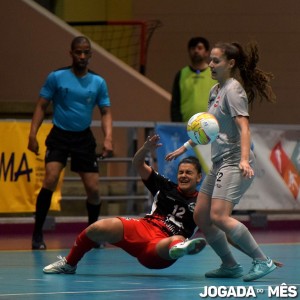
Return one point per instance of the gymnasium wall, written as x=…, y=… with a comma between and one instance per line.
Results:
x=34, y=45
x=36, y=42
x=93, y=10
x=274, y=24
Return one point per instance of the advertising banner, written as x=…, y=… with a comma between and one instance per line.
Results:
x=277, y=175
x=21, y=171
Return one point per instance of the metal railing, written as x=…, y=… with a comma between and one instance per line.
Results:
x=130, y=179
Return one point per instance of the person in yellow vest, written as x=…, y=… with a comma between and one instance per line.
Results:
x=192, y=83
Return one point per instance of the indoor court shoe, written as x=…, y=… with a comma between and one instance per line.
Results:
x=260, y=269
x=60, y=267
x=188, y=247
x=226, y=272
x=38, y=242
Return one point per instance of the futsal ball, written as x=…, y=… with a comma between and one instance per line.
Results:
x=203, y=128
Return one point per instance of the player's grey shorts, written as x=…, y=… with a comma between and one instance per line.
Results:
x=225, y=180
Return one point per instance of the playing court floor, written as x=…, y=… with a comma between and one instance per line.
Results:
x=110, y=273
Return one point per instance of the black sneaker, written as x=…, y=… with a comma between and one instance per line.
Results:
x=38, y=242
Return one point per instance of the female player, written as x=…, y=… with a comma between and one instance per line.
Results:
x=240, y=82
x=158, y=239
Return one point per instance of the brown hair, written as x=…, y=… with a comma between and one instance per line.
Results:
x=255, y=81
x=191, y=160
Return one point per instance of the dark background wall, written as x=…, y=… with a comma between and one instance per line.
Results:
x=274, y=24
x=32, y=46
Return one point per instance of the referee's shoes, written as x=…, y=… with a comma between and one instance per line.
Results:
x=38, y=242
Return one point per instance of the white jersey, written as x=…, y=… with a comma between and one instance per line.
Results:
x=226, y=103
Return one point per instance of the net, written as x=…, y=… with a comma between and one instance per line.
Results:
x=127, y=40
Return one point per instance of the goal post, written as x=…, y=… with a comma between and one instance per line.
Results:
x=127, y=40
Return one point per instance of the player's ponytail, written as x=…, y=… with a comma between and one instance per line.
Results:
x=256, y=81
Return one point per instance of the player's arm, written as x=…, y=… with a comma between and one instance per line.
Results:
x=37, y=119
x=179, y=151
x=243, y=125
x=106, y=125
x=139, y=158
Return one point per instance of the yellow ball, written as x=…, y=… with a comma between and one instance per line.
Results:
x=203, y=128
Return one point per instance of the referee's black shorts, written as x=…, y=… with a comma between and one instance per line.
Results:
x=79, y=145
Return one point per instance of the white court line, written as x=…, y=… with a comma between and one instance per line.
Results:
x=34, y=279
x=99, y=292
x=125, y=291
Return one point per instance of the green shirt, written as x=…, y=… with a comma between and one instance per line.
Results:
x=190, y=93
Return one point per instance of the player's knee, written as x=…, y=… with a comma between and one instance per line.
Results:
x=94, y=231
x=218, y=220
x=94, y=198
x=94, y=201
x=200, y=222
x=50, y=182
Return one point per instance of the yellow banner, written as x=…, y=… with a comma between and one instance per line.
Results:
x=21, y=171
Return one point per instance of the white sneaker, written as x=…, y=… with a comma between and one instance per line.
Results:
x=59, y=267
x=189, y=247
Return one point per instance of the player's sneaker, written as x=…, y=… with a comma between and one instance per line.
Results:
x=188, y=247
x=260, y=269
x=38, y=242
x=59, y=267
x=226, y=272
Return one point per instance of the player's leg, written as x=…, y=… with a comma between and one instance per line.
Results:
x=52, y=173
x=233, y=186
x=216, y=238
x=84, y=161
x=110, y=230
x=202, y=216
x=177, y=246
x=55, y=160
x=93, y=202
x=155, y=253
x=262, y=265
x=277, y=263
